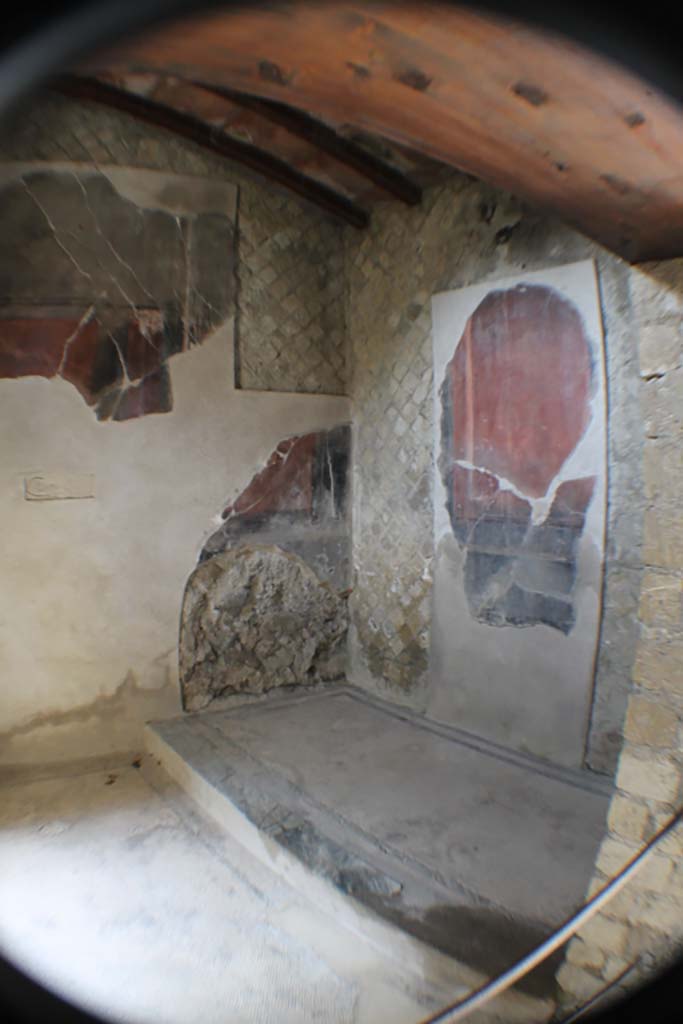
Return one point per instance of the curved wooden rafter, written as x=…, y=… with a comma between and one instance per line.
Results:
x=568, y=131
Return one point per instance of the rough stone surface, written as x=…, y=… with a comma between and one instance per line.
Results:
x=255, y=618
x=651, y=764
x=453, y=239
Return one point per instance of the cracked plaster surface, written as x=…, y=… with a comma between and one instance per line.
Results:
x=106, y=273
x=515, y=402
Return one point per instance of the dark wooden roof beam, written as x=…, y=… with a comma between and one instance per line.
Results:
x=191, y=128
x=320, y=135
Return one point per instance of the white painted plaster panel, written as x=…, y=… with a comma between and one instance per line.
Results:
x=527, y=687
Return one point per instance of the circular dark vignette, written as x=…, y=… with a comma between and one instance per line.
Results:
x=37, y=41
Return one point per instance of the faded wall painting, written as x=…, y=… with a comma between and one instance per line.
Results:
x=266, y=607
x=107, y=272
x=519, y=488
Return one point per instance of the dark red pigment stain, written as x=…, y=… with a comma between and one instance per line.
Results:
x=298, y=501
x=515, y=401
x=92, y=358
x=520, y=384
x=91, y=362
x=33, y=347
x=142, y=344
x=152, y=394
x=285, y=484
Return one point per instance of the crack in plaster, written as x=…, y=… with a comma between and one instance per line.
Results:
x=55, y=235
x=111, y=248
x=85, y=319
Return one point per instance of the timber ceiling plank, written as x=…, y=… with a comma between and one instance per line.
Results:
x=326, y=139
x=203, y=134
x=317, y=151
x=565, y=129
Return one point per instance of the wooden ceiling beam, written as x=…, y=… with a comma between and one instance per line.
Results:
x=320, y=135
x=549, y=121
x=162, y=116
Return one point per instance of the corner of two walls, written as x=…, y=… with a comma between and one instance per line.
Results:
x=93, y=587
x=464, y=233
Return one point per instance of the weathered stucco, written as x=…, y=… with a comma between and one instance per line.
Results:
x=290, y=326
x=465, y=233
x=92, y=587
x=299, y=501
x=256, y=618
x=106, y=273
x=519, y=509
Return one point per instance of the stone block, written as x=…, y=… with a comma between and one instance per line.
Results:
x=627, y=818
x=659, y=663
x=655, y=874
x=651, y=779
x=292, y=291
x=577, y=982
x=613, y=855
x=663, y=473
x=625, y=904
x=660, y=348
x=604, y=934
x=584, y=954
x=661, y=600
x=662, y=914
x=672, y=845
x=661, y=404
x=663, y=538
x=657, y=290
x=650, y=724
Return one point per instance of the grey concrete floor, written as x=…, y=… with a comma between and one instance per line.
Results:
x=511, y=831
x=116, y=893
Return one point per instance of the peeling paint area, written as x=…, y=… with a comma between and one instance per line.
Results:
x=102, y=282
x=298, y=501
x=267, y=605
x=509, y=424
x=519, y=508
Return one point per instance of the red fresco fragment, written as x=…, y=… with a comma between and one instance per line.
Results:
x=144, y=349
x=33, y=346
x=571, y=500
x=520, y=384
x=84, y=363
x=476, y=493
x=152, y=394
x=285, y=484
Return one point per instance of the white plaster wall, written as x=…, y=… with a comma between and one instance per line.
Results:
x=92, y=588
x=528, y=688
